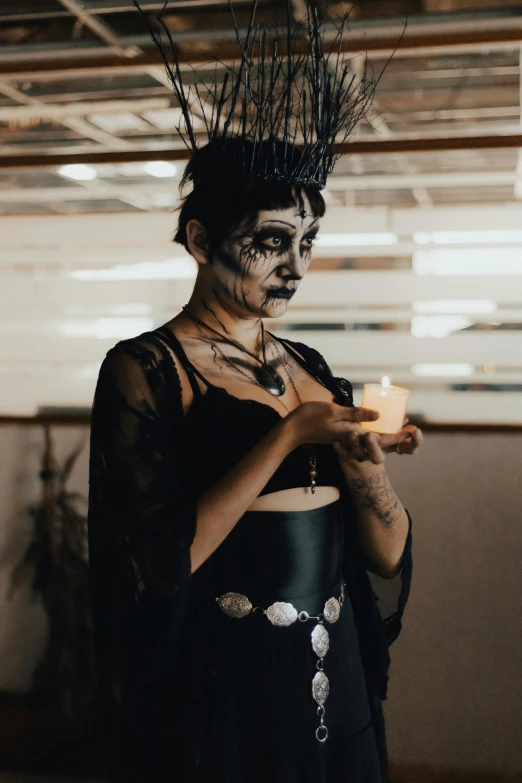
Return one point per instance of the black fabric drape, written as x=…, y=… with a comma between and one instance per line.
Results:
x=142, y=520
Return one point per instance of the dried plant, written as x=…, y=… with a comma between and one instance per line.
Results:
x=56, y=563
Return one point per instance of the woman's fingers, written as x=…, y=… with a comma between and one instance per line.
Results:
x=413, y=441
x=361, y=414
x=356, y=444
x=389, y=442
x=409, y=440
x=373, y=449
x=363, y=445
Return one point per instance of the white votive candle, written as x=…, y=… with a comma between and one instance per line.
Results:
x=389, y=402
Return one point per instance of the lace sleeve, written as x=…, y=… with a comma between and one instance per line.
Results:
x=142, y=520
x=135, y=482
x=342, y=387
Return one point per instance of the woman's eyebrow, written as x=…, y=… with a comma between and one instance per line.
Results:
x=312, y=225
x=283, y=223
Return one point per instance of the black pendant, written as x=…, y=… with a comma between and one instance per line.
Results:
x=270, y=380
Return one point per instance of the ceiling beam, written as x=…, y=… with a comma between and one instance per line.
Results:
x=106, y=8
x=105, y=190
x=99, y=28
x=56, y=112
x=131, y=67
x=188, y=5
x=376, y=47
x=432, y=179
x=379, y=125
x=397, y=145
x=81, y=127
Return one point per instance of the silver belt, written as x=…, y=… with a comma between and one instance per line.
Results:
x=283, y=614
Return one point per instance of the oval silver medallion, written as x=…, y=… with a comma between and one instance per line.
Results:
x=320, y=640
x=332, y=610
x=235, y=604
x=281, y=613
x=320, y=687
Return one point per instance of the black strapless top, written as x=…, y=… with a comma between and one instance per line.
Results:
x=220, y=429
x=283, y=555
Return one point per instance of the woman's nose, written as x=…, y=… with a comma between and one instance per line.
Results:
x=295, y=260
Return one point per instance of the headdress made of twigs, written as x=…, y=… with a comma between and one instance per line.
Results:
x=287, y=104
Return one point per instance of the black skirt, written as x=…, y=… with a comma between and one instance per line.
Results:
x=260, y=714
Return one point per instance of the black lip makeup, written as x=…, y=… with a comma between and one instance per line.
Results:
x=281, y=293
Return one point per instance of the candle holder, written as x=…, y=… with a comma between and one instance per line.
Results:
x=389, y=402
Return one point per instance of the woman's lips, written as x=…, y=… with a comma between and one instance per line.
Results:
x=281, y=293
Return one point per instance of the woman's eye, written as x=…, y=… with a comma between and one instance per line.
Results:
x=274, y=241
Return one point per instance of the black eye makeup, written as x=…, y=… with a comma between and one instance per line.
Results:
x=277, y=239
x=272, y=239
x=309, y=238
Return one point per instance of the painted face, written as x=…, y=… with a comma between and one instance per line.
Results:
x=259, y=266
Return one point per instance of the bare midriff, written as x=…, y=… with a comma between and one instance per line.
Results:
x=295, y=499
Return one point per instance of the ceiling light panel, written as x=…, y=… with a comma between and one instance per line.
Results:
x=78, y=171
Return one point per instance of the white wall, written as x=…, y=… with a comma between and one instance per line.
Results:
x=56, y=327
x=456, y=682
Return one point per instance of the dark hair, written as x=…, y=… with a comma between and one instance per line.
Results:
x=222, y=203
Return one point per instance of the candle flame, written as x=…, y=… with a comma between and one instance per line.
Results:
x=386, y=382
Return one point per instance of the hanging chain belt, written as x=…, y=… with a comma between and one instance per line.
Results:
x=283, y=614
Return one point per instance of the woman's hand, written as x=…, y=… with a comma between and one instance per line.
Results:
x=326, y=422
x=337, y=425
x=364, y=445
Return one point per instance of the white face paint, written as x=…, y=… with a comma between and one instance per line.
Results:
x=259, y=266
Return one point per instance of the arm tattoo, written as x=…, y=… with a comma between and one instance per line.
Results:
x=376, y=496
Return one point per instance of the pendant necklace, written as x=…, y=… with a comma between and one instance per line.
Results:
x=265, y=375
x=202, y=326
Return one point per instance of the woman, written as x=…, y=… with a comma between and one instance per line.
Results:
x=235, y=507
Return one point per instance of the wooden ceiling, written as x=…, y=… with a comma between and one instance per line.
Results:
x=81, y=82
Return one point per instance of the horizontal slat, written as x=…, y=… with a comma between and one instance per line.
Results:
x=389, y=348
x=22, y=394
x=465, y=406
x=121, y=190
x=480, y=217
x=333, y=289
x=38, y=370
x=144, y=229
x=48, y=293
x=93, y=230
x=386, y=349
x=383, y=315
x=402, y=377
x=47, y=316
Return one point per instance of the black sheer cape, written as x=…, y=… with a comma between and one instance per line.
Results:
x=142, y=520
